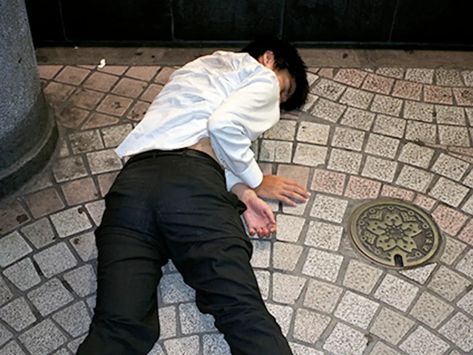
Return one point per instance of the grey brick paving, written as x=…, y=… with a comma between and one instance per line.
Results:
x=388, y=127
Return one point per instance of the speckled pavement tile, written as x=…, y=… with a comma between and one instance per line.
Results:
x=363, y=134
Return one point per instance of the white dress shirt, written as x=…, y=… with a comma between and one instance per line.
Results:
x=229, y=97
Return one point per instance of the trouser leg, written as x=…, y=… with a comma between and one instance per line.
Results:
x=125, y=320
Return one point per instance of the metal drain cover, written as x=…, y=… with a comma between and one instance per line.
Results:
x=394, y=233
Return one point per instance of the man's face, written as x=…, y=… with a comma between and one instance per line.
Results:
x=287, y=83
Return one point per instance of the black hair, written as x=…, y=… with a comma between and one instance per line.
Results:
x=285, y=57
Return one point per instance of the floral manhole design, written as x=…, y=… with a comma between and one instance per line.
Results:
x=394, y=234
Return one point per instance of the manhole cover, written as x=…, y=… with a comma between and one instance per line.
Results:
x=394, y=234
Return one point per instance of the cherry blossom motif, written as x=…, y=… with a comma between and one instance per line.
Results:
x=395, y=230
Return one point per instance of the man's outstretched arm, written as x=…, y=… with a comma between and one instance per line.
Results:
x=279, y=188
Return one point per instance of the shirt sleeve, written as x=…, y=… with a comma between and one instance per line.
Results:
x=240, y=119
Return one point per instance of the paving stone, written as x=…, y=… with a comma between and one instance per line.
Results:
x=348, y=138
x=465, y=265
x=466, y=74
x=74, y=319
x=356, y=98
x=96, y=210
x=311, y=99
x=39, y=233
x=286, y=256
x=390, y=126
x=415, y=179
x=164, y=74
x=43, y=338
x=424, y=202
x=379, y=169
x=310, y=155
x=345, y=340
x=407, y=90
x=114, y=105
x=419, y=274
x=468, y=205
x=438, y=95
x=56, y=93
x=167, y=322
x=323, y=235
x=386, y=105
x=129, y=87
x=327, y=110
x=55, y=259
x=113, y=136
x=326, y=73
x=70, y=117
x=289, y=228
x=382, y=349
x=322, y=296
x=49, y=297
x=5, y=292
x=104, y=161
x=72, y=75
x=455, y=136
x=12, y=248
x=105, y=182
x=361, y=277
x=416, y=155
x=356, y=309
x=142, y=72
x=70, y=221
x=352, y=77
x=17, y=314
x=323, y=265
x=328, y=89
x=453, y=248
x=466, y=302
x=356, y=118
x=100, y=81
x=87, y=99
x=345, y=161
x=299, y=349
x=468, y=180
x=391, y=72
x=276, y=151
x=447, y=283
x=422, y=341
x=313, y=132
x=449, y=192
x=261, y=253
x=431, y=310
x=378, y=83
x=174, y=290
x=287, y=288
x=284, y=130
x=360, y=188
x=91, y=301
x=421, y=132
x=309, y=325
x=458, y=330
x=22, y=274
x=84, y=245
x=328, y=208
x=183, y=345
x=391, y=326
x=151, y=92
x=44, y=202
x=450, y=115
x=79, y=191
x=449, y=220
x=396, y=292
x=192, y=321
x=297, y=210
x=396, y=192
x=48, y=71
x=282, y=314
x=215, y=344
x=82, y=280
x=74, y=344
x=448, y=77
x=97, y=120
x=69, y=168
x=263, y=279
x=419, y=111
x=382, y=146
x=328, y=181
x=12, y=348
x=466, y=234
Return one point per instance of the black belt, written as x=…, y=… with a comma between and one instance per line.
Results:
x=176, y=152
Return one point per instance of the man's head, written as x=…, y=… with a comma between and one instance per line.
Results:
x=283, y=58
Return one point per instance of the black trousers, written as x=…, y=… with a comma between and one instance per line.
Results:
x=174, y=205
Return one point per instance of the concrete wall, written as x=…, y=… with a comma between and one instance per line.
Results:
x=27, y=130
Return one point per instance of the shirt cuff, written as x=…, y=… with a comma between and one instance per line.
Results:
x=252, y=176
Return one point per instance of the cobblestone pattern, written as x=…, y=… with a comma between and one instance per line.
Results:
x=364, y=134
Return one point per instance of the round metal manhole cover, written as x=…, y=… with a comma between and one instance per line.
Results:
x=394, y=234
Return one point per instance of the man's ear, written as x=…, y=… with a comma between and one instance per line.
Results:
x=267, y=59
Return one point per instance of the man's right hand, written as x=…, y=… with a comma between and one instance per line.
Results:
x=286, y=190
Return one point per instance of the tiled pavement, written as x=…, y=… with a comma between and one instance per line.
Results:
x=403, y=133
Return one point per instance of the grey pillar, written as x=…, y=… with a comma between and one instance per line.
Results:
x=27, y=129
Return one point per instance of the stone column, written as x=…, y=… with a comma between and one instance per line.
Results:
x=28, y=132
